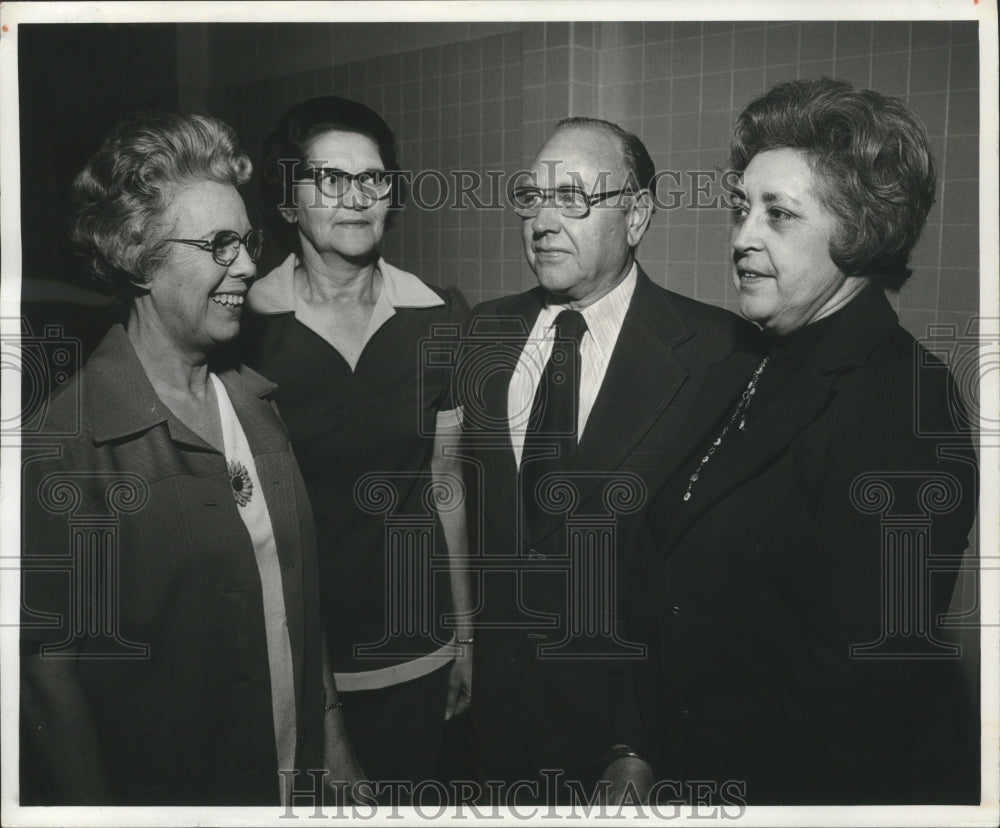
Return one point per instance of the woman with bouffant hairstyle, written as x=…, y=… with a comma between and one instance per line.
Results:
x=785, y=590
x=873, y=168
x=170, y=648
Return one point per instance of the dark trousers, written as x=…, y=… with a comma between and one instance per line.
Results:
x=397, y=731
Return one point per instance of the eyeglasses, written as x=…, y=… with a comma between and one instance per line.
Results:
x=571, y=202
x=225, y=246
x=371, y=185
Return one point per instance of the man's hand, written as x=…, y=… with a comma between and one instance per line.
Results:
x=631, y=775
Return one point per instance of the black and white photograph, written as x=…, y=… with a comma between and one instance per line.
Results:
x=500, y=412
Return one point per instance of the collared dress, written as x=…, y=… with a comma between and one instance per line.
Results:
x=138, y=565
x=364, y=438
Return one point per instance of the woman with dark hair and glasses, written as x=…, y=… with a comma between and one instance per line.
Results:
x=171, y=653
x=362, y=354
x=798, y=567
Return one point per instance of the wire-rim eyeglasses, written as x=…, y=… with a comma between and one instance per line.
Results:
x=225, y=245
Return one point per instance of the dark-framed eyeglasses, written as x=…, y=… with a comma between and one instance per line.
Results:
x=225, y=245
x=371, y=185
x=571, y=202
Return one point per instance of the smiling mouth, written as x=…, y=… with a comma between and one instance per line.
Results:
x=228, y=300
x=751, y=276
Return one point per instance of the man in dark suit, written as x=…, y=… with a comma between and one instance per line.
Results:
x=573, y=393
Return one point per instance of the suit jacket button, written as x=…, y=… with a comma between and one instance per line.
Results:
x=675, y=612
x=686, y=715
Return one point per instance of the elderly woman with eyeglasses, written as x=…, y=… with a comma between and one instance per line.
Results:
x=170, y=624
x=362, y=353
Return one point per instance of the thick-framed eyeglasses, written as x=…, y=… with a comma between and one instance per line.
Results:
x=371, y=185
x=225, y=245
x=571, y=202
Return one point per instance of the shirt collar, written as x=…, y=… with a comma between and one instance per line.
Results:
x=604, y=318
x=112, y=369
x=404, y=290
x=119, y=398
x=275, y=293
x=399, y=290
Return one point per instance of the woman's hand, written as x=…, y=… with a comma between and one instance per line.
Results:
x=446, y=470
x=460, y=684
x=343, y=769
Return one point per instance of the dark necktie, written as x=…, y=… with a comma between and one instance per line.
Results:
x=550, y=439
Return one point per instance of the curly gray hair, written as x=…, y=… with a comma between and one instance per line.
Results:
x=121, y=196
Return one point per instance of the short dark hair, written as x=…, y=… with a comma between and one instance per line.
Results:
x=289, y=142
x=120, y=198
x=638, y=165
x=871, y=158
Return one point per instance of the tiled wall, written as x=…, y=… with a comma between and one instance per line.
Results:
x=680, y=86
x=488, y=102
x=455, y=108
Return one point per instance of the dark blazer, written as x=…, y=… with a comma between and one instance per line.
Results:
x=179, y=687
x=805, y=539
x=547, y=661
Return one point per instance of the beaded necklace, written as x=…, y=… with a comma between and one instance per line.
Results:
x=739, y=414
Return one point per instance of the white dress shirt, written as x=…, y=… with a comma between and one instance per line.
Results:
x=604, y=322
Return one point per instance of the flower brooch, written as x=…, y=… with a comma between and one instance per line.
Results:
x=239, y=479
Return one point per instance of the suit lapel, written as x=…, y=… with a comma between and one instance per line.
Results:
x=779, y=423
x=724, y=382
x=643, y=376
x=846, y=344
